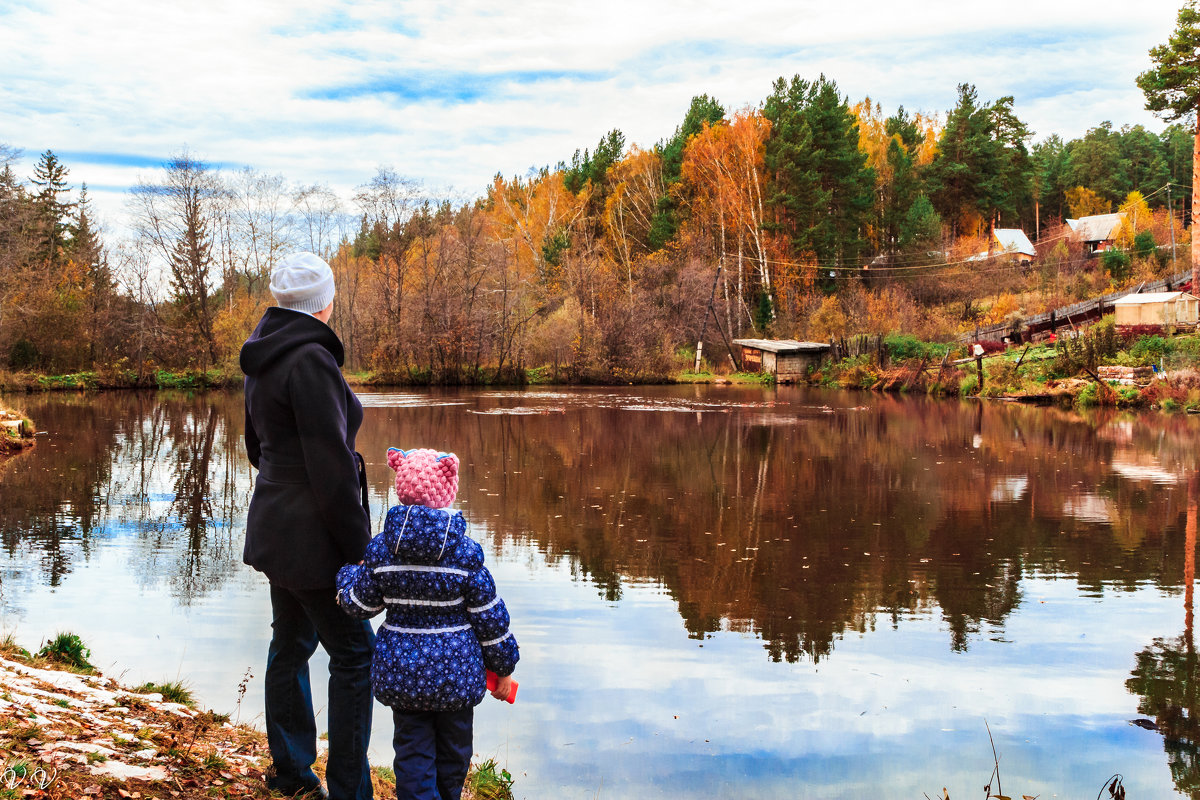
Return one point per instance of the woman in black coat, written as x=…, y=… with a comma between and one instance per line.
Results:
x=308, y=516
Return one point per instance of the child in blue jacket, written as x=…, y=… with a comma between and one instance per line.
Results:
x=445, y=625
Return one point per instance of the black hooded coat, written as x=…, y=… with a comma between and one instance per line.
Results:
x=308, y=513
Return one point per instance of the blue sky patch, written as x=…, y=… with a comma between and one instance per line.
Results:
x=452, y=87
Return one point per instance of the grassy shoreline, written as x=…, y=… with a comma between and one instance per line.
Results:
x=67, y=732
x=1063, y=372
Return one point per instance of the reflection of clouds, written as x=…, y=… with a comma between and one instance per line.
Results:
x=519, y=410
x=390, y=400
x=620, y=698
x=1144, y=468
x=1089, y=507
x=1009, y=489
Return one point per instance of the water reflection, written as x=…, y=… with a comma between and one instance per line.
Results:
x=795, y=521
x=1166, y=675
x=810, y=522
x=166, y=471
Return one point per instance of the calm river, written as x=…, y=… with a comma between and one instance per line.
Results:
x=719, y=592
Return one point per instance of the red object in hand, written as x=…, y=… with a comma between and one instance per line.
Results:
x=493, y=679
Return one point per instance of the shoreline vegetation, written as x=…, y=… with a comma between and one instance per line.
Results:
x=68, y=732
x=16, y=431
x=1090, y=366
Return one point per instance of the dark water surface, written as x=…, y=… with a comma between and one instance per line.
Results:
x=719, y=592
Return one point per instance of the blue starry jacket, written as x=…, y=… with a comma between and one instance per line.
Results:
x=445, y=623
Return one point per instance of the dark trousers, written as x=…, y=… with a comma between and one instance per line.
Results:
x=301, y=620
x=433, y=753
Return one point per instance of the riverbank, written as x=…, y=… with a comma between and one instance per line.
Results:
x=1096, y=367
x=197, y=380
x=16, y=431
x=70, y=733
x=1081, y=368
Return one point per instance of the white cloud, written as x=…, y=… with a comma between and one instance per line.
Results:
x=294, y=88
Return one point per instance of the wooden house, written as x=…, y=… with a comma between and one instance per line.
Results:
x=786, y=359
x=1011, y=242
x=1098, y=231
x=1156, y=310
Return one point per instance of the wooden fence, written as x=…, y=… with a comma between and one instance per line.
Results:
x=1072, y=315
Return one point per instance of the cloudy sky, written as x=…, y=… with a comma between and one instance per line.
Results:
x=452, y=93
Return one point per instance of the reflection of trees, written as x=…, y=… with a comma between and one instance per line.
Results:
x=1165, y=679
x=49, y=505
x=164, y=470
x=788, y=522
x=801, y=526
x=1166, y=676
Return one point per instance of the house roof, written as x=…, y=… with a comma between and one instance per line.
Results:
x=782, y=345
x=1096, y=228
x=1147, y=298
x=1008, y=241
x=1014, y=240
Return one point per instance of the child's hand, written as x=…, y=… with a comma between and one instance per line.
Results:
x=504, y=685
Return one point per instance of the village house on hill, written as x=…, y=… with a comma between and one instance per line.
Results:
x=1098, y=231
x=1008, y=242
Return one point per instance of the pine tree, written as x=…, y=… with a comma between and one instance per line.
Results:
x=1172, y=88
x=53, y=212
x=964, y=177
x=821, y=187
x=88, y=251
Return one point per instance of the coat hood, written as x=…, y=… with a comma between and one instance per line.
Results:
x=421, y=535
x=282, y=330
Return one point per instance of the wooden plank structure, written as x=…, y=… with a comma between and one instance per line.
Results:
x=1072, y=315
x=786, y=359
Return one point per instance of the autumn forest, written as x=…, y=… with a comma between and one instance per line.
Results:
x=804, y=217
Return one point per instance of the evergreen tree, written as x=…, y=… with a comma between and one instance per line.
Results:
x=1049, y=178
x=665, y=223
x=922, y=226
x=1014, y=197
x=899, y=195
x=1096, y=163
x=1172, y=88
x=1143, y=160
x=965, y=176
x=50, y=176
x=88, y=251
x=820, y=186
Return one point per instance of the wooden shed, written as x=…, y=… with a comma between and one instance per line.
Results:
x=1156, y=309
x=786, y=359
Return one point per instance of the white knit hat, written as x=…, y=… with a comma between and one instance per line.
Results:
x=302, y=282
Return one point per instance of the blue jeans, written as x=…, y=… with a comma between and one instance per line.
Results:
x=433, y=753
x=301, y=620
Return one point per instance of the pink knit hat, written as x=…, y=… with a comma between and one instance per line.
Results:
x=424, y=477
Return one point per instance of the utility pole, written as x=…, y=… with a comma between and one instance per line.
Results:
x=704, y=327
x=1171, y=218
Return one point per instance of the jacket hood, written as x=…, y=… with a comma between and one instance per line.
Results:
x=421, y=535
x=282, y=330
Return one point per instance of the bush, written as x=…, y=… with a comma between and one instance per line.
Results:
x=69, y=650
x=1150, y=349
x=904, y=346
x=172, y=692
x=1116, y=263
x=23, y=355
x=1088, y=396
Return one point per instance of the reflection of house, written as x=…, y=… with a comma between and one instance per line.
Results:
x=786, y=359
x=1098, y=231
x=1156, y=309
x=1008, y=242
